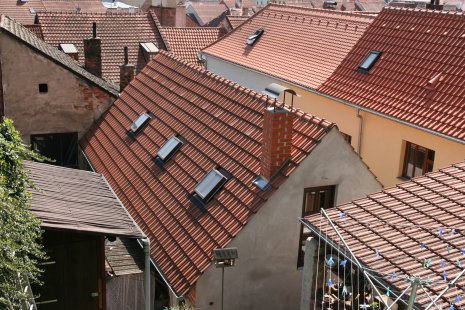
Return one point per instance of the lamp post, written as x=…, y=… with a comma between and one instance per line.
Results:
x=225, y=257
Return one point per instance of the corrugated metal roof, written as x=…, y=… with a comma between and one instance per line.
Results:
x=222, y=124
x=77, y=200
x=408, y=224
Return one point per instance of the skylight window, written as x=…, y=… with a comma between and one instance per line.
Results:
x=369, y=61
x=140, y=122
x=169, y=148
x=255, y=36
x=68, y=48
x=211, y=183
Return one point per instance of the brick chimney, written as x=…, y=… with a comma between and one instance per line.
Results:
x=126, y=71
x=277, y=140
x=93, y=53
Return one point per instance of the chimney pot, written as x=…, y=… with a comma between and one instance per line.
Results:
x=126, y=71
x=93, y=53
x=277, y=140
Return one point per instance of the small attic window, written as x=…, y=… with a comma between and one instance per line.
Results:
x=149, y=47
x=369, y=61
x=169, y=148
x=140, y=122
x=69, y=48
x=255, y=36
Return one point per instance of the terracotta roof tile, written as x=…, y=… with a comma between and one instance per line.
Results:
x=302, y=46
x=36, y=29
x=235, y=21
x=77, y=200
x=416, y=46
x=221, y=122
x=187, y=42
x=207, y=12
x=397, y=221
x=115, y=29
x=19, y=32
x=25, y=13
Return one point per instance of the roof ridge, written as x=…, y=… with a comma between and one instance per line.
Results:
x=268, y=101
x=426, y=11
x=106, y=13
x=325, y=11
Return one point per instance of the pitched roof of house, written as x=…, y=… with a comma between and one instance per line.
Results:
x=299, y=45
x=25, y=12
x=418, y=78
x=404, y=224
x=116, y=30
x=208, y=13
x=19, y=32
x=186, y=42
x=222, y=124
x=235, y=21
x=78, y=200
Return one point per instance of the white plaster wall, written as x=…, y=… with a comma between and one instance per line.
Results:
x=266, y=274
x=70, y=105
x=240, y=75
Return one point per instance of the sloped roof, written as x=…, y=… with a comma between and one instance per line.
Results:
x=222, y=124
x=19, y=32
x=77, y=200
x=36, y=30
x=235, y=21
x=116, y=30
x=299, y=45
x=186, y=42
x=403, y=223
x=416, y=47
x=124, y=256
x=25, y=13
x=207, y=12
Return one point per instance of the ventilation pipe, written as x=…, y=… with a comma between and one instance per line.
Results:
x=360, y=132
x=146, y=243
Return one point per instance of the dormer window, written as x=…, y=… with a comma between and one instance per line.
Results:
x=140, y=123
x=255, y=36
x=70, y=49
x=369, y=61
x=149, y=49
x=209, y=186
x=171, y=146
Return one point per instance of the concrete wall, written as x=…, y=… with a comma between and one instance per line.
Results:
x=70, y=105
x=266, y=274
x=247, y=78
x=383, y=140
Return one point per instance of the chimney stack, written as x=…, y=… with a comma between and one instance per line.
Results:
x=277, y=140
x=93, y=53
x=126, y=71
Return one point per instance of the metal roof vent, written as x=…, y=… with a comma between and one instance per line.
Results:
x=433, y=83
x=255, y=36
x=274, y=90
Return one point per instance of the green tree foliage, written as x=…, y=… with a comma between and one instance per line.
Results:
x=20, y=233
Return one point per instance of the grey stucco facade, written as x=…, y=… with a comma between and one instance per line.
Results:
x=266, y=274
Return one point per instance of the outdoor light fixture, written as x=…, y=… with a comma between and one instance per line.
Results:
x=225, y=257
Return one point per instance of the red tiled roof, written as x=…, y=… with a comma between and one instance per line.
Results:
x=417, y=46
x=208, y=12
x=302, y=46
x=236, y=21
x=222, y=123
x=397, y=221
x=25, y=13
x=21, y=12
x=36, y=29
x=187, y=42
x=115, y=29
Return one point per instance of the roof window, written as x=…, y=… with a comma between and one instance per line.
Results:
x=369, y=61
x=209, y=186
x=68, y=48
x=140, y=123
x=255, y=36
x=149, y=47
x=171, y=146
x=261, y=183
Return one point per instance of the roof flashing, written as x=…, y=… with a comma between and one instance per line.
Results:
x=261, y=183
x=369, y=61
x=252, y=39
